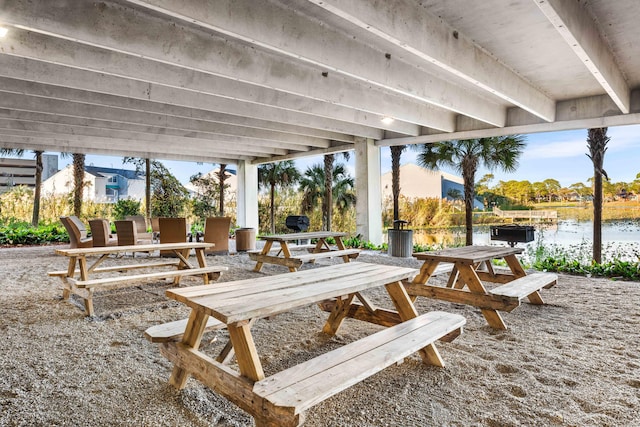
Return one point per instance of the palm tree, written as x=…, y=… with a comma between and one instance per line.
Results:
x=35, y=216
x=466, y=156
x=327, y=200
x=597, y=140
x=313, y=182
x=78, y=182
x=396, y=152
x=222, y=177
x=281, y=174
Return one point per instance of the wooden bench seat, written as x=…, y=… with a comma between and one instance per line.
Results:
x=295, y=261
x=212, y=271
x=298, y=388
x=351, y=253
x=173, y=331
x=527, y=286
x=277, y=249
x=62, y=273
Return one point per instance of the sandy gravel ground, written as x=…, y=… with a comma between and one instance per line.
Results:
x=572, y=362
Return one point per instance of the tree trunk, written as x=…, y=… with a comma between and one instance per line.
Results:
x=597, y=143
x=78, y=182
x=222, y=177
x=35, y=219
x=327, y=201
x=396, y=151
x=272, y=196
x=597, y=217
x=147, y=190
x=468, y=175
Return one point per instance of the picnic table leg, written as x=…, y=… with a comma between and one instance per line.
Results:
x=202, y=262
x=284, y=248
x=265, y=251
x=191, y=338
x=429, y=354
x=471, y=279
x=338, y=314
x=245, y=349
x=340, y=246
x=84, y=275
x=515, y=266
x=183, y=256
x=71, y=271
x=427, y=269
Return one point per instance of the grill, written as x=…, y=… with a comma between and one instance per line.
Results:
x=297, y=222
x=512, y=233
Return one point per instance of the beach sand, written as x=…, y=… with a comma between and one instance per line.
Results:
x=572, y=362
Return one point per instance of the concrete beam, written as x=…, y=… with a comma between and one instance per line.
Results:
x=64, y=146
x=108, y=90
x=122, y=46
x=583, y=113
x=318, y=152
x=44, y=130
x=409, y=25
x=579, y=30
x=216, y=131
x=253, y=21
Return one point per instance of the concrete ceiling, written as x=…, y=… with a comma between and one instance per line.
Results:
x=261, y=80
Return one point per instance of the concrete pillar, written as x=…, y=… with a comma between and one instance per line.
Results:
x=368, y=191
x=247, y=212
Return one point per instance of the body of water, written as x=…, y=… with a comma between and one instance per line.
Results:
x=620, y=238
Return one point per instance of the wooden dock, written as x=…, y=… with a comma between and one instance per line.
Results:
x=538, y=215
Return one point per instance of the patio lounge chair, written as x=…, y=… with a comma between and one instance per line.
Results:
x=101, y=233
x=126, y=232
x=216, y=230
x=141, y=228
x=172, y=230
x=77, y=232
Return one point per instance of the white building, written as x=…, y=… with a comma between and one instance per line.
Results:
x=104, y=185
x=418, y=182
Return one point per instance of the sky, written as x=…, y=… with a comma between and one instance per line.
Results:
x=557, y=155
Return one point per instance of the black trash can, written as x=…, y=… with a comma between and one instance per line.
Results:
x=400, y=240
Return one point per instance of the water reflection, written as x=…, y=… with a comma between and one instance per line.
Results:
x=620, y=238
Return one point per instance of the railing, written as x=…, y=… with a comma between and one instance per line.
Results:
x=529, y=214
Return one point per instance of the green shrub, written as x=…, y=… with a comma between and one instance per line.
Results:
x=126, y=207
x=22, y=233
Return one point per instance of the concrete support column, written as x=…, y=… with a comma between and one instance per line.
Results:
x=247, y=212
x=368, y=191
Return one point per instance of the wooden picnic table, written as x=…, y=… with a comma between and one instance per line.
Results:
x=471, y=266
x=284, y=255
x=84, y=286
x=280, y=399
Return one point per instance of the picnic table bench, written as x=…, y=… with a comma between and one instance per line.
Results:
x=471, y=265
x=85, y=285
x=284, y=256
x=282, y=398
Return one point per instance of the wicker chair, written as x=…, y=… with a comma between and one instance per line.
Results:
x=141, y=228
x=101, y=233
x=77, y=232
x=172, y=230
x=126, y=232
x=216, y=230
